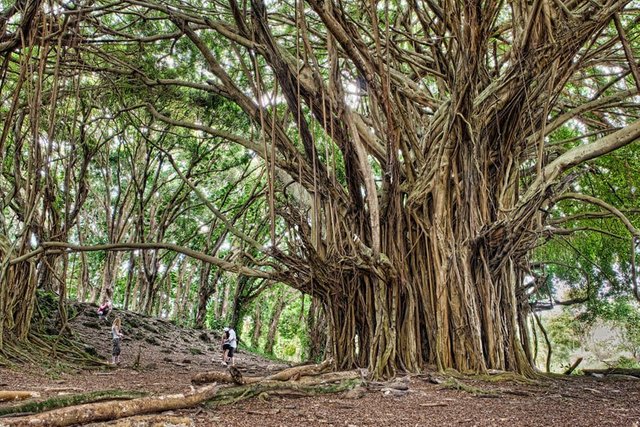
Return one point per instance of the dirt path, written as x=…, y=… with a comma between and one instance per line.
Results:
x=169, y=356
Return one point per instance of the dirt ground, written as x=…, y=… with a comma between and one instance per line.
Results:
x=170, y=356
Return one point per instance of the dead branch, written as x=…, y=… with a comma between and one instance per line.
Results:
x=300, y=371
x=573, y=366
x=294, y=373
x=311, y=386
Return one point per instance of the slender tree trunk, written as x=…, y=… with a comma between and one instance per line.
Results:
x=205, y=290
x=179, y=289
x=84, y=284
x=273, y=325
x=224, y=304
x=316, y=330
x=185, y=305
x=109, y=275
x=257, y=325
x=130, y=279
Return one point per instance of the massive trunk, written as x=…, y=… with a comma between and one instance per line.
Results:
x=446, y=295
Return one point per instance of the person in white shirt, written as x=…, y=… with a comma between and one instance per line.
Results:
x=229, y=344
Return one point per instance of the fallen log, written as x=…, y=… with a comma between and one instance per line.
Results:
x=310, y=387
x=9, y=395
x=69, y=400
x=106, y=411
x=300, y=371
x=610, y=371
x=284, y=375
x=330, y=377
x=221, y=377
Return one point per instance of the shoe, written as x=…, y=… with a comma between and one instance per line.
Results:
x=224, y=363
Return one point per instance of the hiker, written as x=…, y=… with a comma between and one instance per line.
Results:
x=104, y=310
x=116, y=336
x=229, y=346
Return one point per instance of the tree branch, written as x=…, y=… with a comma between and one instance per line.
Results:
x=594, y=200
x=580, y=155
x=47, y=247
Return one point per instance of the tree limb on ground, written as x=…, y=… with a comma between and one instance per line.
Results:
x=106, y=411
x=284, y=375
x=310, y=386
x=69, y=400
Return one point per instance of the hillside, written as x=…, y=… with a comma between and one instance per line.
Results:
x=152, y=343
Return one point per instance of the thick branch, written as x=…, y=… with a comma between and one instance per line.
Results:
x=580, y=155
x=62, y=246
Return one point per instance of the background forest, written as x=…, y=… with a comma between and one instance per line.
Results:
x=363, y=179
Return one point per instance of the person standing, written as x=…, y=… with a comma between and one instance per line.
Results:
x=229, y=344
x=116, y=336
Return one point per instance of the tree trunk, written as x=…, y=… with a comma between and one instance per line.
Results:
x=179, y=289
x=316, y=330
x=224, y=304
x=17, y=297
x=273, y=325
x=84, y=284
x=130, y=278
x=109, y=275
x=149, y=261
x=257, y=324
x=186, y=303
x=205, y=290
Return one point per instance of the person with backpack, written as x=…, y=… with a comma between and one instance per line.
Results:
x=229, y=344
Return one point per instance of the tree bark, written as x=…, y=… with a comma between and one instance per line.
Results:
x=316, y=330
x=294, y=373
x=273, y=325
x=105, y=411
x=257, y=324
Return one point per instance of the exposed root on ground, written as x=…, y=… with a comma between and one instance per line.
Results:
x=112, y=410
x=68, y=400
x=234, y=376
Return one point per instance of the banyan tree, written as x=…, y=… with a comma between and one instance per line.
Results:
x=414, y=150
